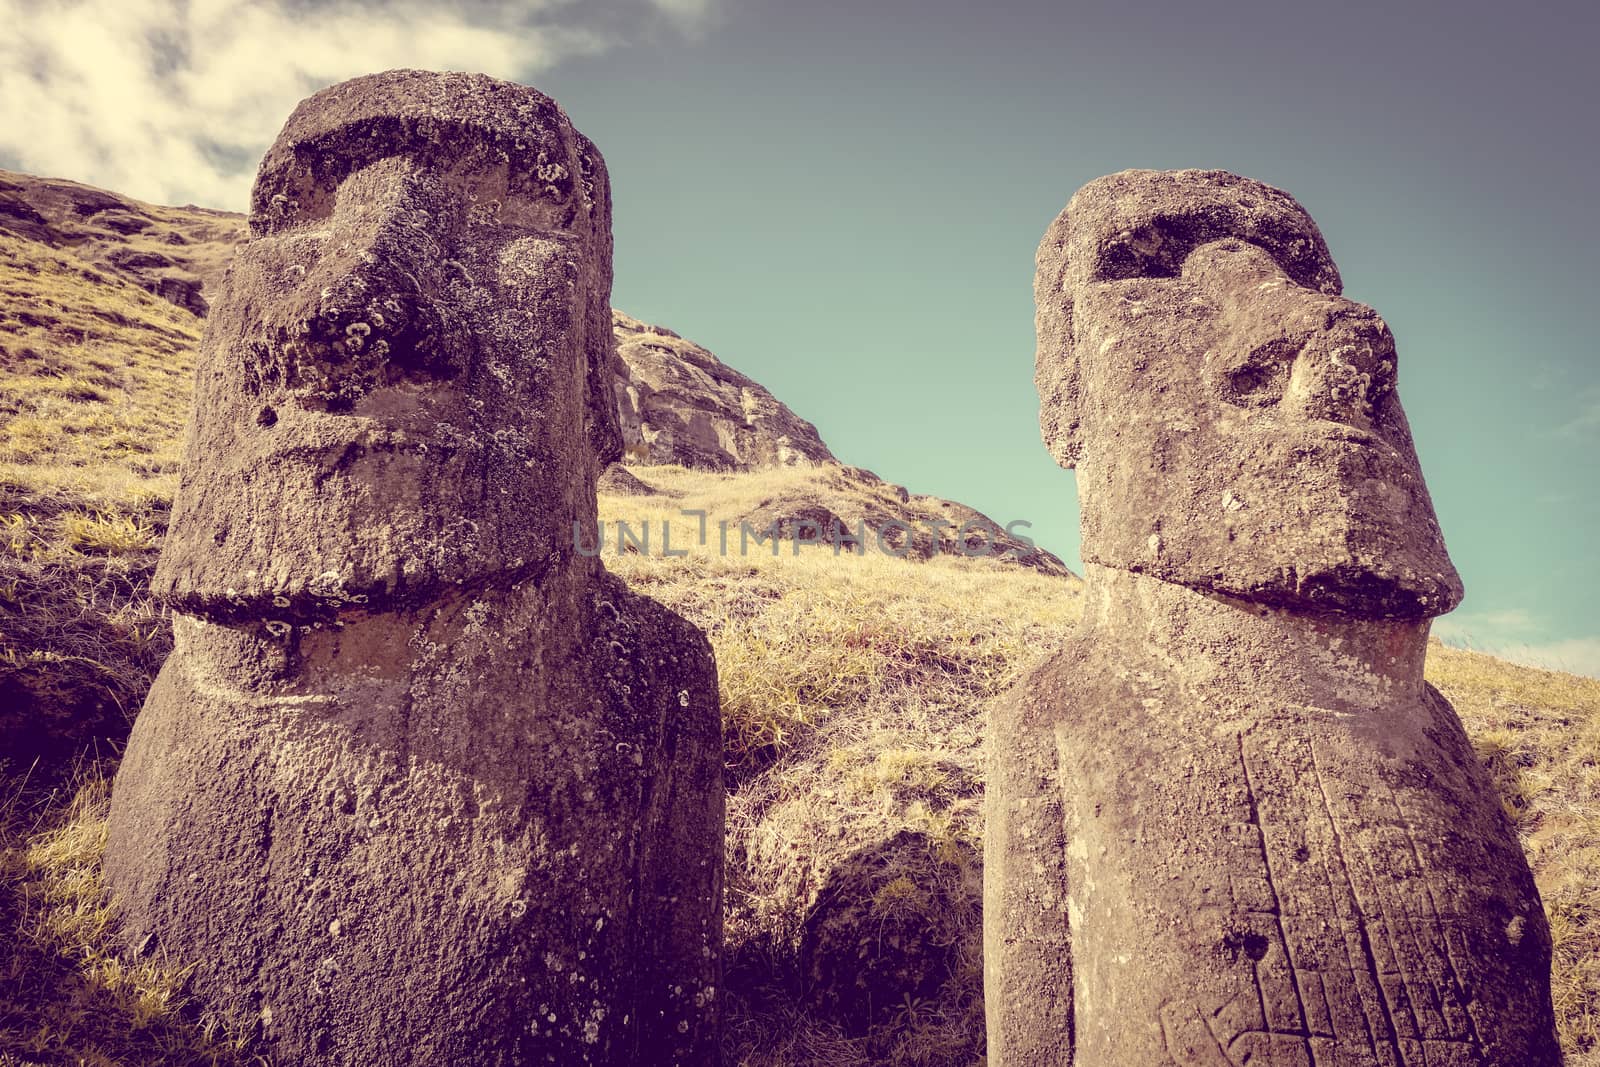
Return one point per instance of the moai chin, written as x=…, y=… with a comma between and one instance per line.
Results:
x=1231, y=824
x=421, y=783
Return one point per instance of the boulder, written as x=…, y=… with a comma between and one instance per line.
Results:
x=678, y=403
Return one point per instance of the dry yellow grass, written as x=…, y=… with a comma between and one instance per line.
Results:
x=853, y=692
x=95, y=378
x=67, y=995
x=95, y=382
x=1539, y=734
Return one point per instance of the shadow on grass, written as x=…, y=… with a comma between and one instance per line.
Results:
x=66, y=997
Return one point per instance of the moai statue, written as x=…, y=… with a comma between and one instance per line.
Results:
x=1231, y=824
x=421, y=783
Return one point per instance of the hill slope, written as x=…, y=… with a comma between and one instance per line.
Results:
x=99, y=301
x=853, y=689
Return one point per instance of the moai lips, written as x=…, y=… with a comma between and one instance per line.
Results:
x=1230, y=823
x=420, y=783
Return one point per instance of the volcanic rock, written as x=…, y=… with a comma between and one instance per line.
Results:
x=678, y=403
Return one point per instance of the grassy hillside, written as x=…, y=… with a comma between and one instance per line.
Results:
x=853, y=692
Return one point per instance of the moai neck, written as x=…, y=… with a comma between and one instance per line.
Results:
x=1233, y=650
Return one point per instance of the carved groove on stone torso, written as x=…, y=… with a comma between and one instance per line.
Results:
x=1352, y=959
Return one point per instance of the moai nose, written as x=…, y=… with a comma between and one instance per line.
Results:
x=1345, y=370
x=1309, y=354
x=365, y=321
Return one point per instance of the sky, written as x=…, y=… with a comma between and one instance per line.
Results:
x=842, y=200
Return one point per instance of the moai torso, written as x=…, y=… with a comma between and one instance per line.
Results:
x=1231, y=824
x=420, y=783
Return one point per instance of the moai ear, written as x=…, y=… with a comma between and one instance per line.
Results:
x=600, y=399
x=600, y=407
x=1055, y=373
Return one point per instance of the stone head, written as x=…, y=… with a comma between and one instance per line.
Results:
x=1232, y=417
x=403, y=386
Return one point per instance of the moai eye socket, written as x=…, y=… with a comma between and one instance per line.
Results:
x=1261, y=377
x=292, y=197
x=1154, y=250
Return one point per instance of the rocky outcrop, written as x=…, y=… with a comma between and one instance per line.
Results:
x=1231, y=823
x=420, y=784
x=678, y=403
x=847, y=508
x=868, y=952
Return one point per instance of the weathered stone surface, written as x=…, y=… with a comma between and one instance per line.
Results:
x=1231, y=823
x=794, y=517
x=420, y=784
x=678, y=403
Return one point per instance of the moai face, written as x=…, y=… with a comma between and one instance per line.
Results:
x=1233, y=419
x=388, y=382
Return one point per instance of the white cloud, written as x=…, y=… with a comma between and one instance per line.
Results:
x=1579, y=655
x=1585, y=425
x=1515, y=619
x=689, y=15
x=1517, y=636
x=175, y=100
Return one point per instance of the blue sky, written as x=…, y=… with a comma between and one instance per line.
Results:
x=843, y=199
